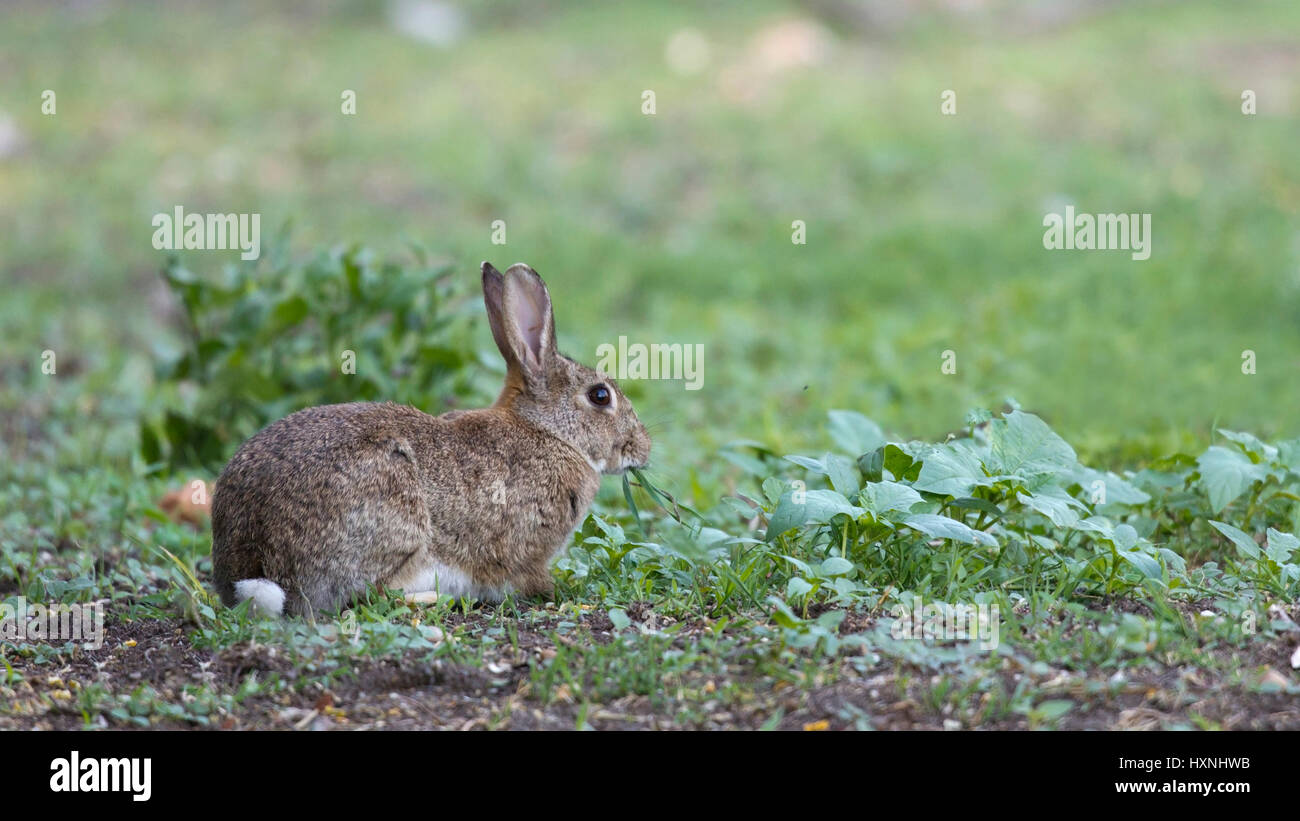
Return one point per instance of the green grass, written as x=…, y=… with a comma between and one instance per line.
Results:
x=924, y=236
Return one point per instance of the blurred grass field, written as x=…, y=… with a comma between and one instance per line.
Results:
x=924, y=231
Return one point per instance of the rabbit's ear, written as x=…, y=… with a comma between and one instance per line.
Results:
x=493, y=297
x=523, y=324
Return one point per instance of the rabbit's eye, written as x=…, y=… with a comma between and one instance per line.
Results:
x=599, y=396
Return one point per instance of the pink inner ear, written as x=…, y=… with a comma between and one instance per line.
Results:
x=529, y=317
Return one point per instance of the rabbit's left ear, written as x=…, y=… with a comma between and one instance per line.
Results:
x=494, y=283
x=526, y=321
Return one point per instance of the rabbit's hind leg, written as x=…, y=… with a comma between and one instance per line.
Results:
x=383, y=527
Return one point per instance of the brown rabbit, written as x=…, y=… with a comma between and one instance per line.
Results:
x=330, y=500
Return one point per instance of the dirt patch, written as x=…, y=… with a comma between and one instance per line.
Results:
x=906, y=698
x=415, y=692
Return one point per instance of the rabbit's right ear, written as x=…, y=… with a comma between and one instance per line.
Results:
x=523, y=324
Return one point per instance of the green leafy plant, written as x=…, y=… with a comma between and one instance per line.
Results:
x=1011, y=507
x=262, y=341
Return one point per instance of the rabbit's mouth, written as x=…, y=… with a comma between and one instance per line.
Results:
x=634, y=453
x=628, y=462
x=634, y=463
x=617, y=466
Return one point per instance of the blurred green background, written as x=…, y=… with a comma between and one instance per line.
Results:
x=924, y=231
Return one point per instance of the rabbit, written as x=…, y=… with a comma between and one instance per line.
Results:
x=330, y=500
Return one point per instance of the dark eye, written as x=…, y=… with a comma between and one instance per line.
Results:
x=599, y=396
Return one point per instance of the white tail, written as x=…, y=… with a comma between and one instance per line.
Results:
x=267, y=596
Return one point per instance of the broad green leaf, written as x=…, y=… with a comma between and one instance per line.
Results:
x=882, y=497
x=1054, y=503
x=840, y=470
x=951, y=469
x=822, y=505
x=1250, y=444
x=1125, y=537
x=1109, y=487
x=808, y=463
x=772, y=489
x=941, y=527
x=619, y=618
x=1281, y=546
x=1243, y=541
x=1022, y=444
x=854, y=433
x=1096, y=524
x=836, y=566
x=1225, y=475
x=797, y=587
x=800, y=565
x=872, y=464
x=819, y=506
x=613, y=532
x=786, y=516
x=843, y=473
x=901, y=462
x=1173, y=561
x=1289, y=454
x=1147, y=565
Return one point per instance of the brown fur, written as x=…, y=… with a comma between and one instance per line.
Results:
x=332, y=499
